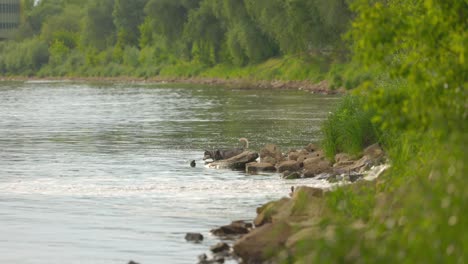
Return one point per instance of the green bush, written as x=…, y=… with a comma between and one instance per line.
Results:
x=23, y=58
x=349, y=128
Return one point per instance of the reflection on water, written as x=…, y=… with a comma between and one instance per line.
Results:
x=98, y=173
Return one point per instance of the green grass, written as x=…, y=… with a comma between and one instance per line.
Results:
x=349, y=128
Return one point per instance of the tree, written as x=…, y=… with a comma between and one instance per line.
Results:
x=99, y=30
x=423, y=44
x=64, y=27
x=41, y=12
x=127, y=16
x=168, y=17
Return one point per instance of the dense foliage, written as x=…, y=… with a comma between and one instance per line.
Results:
x=417, y=213
x=150, y=37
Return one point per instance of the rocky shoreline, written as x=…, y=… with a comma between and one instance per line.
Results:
x=322, y=87
x=276, y=233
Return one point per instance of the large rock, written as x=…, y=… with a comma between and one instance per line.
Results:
x=271, y=154
x=303, y=235
x=315, y=166
x=266, y=212
x=373, y=155
x=293, y=155
x=235, y=163
x=287, y=175
x=362, y=164
x=343, y=159
x=235, y=228
x=308, y=192
x=289, y=165
x=258, y=167
x=220, y=247
x=374, y=152
x=312, y=147
x=258, y=245
x=300, y=155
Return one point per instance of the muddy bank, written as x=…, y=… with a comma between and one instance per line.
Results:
x=322, y=87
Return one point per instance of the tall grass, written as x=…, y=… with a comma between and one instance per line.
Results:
x=416, y=213
x=349, y=128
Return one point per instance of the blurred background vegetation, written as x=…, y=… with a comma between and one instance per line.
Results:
x=406, y=59
x=414, y=103
x=255, y=39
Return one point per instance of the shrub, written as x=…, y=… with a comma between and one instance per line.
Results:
x=349, y=128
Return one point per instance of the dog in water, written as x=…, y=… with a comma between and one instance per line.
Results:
x=221, y=154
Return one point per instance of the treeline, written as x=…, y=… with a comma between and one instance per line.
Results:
x=114, y=37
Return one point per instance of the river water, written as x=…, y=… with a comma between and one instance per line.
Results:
x=99, y=173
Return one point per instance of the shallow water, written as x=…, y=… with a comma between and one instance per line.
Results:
x=99, y=173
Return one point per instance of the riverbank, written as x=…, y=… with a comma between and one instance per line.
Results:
x=283, y=227
x=322, y=87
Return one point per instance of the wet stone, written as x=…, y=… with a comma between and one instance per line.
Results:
x=235, y=228
x=292, y=176
x=220, y=247
x=355, y=177
x=194, y=237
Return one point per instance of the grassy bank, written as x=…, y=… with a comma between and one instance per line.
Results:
x=24, y=60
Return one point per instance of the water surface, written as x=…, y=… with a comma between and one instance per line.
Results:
x=99, y=173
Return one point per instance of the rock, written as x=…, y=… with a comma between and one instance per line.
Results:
x=133, y=262
x=318, y=154
x=354, y=177
x=270, y=160
x=289, y=165
x=309, y=174
x=312, y=147
x=203, y=259
x=266, y=212
x=220, y=247
x=315, y=166
x=303, y=235
x=235, y=163
x=255, y=167
x=294, y=155
x=235, y=228
x=271, y=154
x=255, y=246
x=308, y=191
x=374, y=152
x=194, y=237
x=311, y=163
x=302, y=157
x=360, y=165
x=292, y=176
x=373, y=155
x=342, y=159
